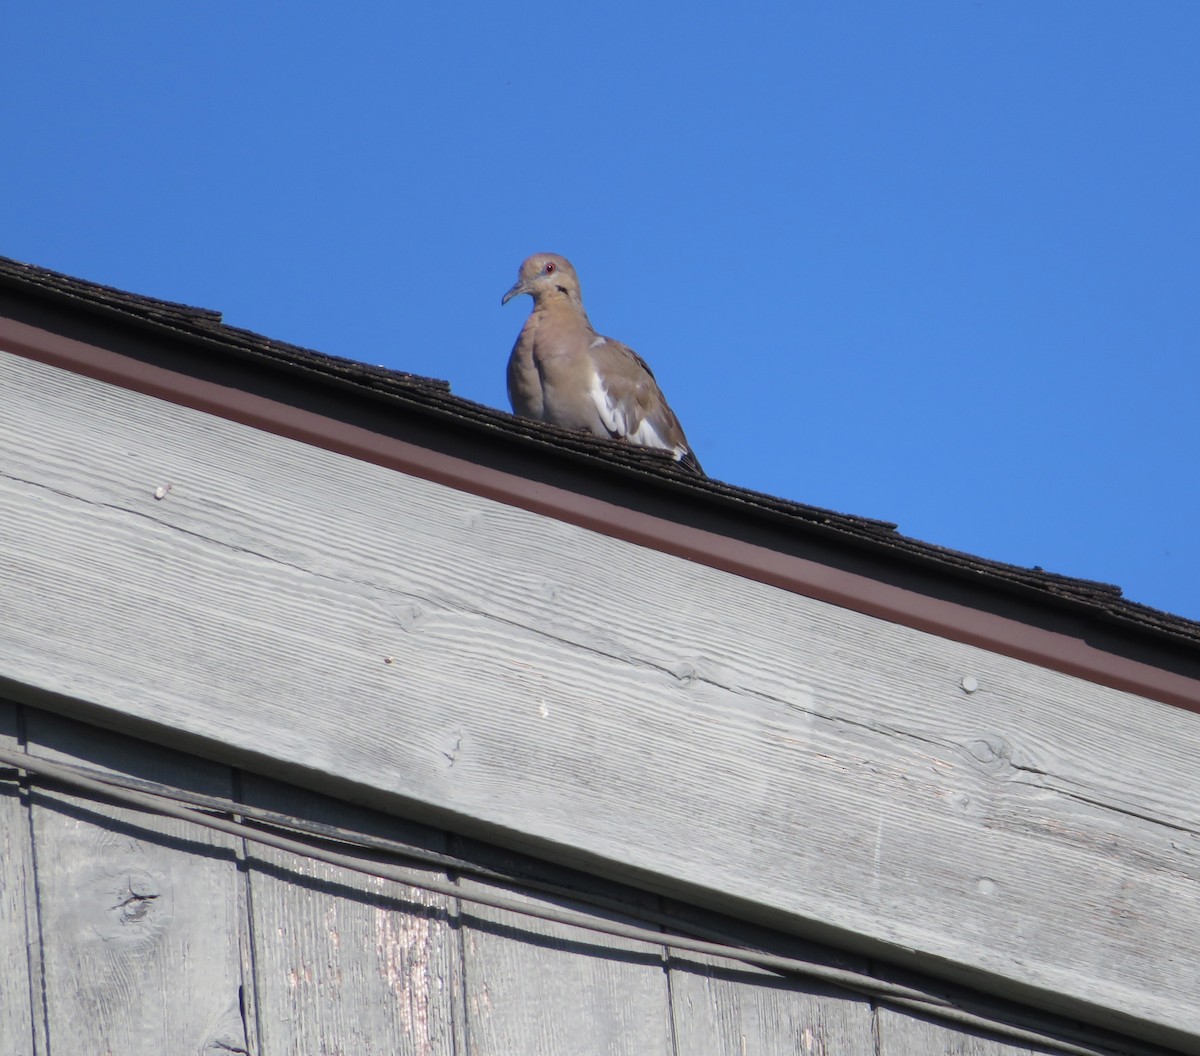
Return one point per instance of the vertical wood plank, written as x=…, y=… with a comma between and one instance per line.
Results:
x=18, y=911
x=902, y=1034
x=723, y=1007
x=534, y=986
x=347, y=964
x=139, y=913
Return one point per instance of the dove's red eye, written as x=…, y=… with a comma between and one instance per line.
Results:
x=549, y=267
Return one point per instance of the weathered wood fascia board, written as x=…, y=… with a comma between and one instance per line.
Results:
x=513, y=675
x=1069, y=652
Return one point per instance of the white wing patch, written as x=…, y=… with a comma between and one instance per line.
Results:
x=647, y=436
x=614, y=416
x=612, y=413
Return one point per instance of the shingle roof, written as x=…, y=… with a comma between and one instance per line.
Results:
x=431, y=396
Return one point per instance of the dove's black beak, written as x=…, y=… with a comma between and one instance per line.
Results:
x=517, y=289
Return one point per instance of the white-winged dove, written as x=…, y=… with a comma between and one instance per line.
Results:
x=562, y=371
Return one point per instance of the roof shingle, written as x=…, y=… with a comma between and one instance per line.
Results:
x=433, y=396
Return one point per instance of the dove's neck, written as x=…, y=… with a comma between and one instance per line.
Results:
x=561, y=310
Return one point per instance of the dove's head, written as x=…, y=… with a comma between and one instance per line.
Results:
x=545, y=275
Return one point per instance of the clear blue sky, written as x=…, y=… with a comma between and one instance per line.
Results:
x=936, y=262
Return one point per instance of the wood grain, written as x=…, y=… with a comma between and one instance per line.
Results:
x=725, y=1008
x=19, y=943
x=342, y=964
x=347, y=963
x=139, y=912
x=538, y=684
x=904, y=1035
x=535, y=986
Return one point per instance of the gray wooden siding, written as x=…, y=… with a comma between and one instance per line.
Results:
x=722, y=1007
x=18, y=911
x=459, y=660
x=136, y=915
x=345, y=962
x=910, y=1034
x=155, y=936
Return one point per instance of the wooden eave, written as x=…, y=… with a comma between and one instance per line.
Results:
x=413, y=425
x=792, y=789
